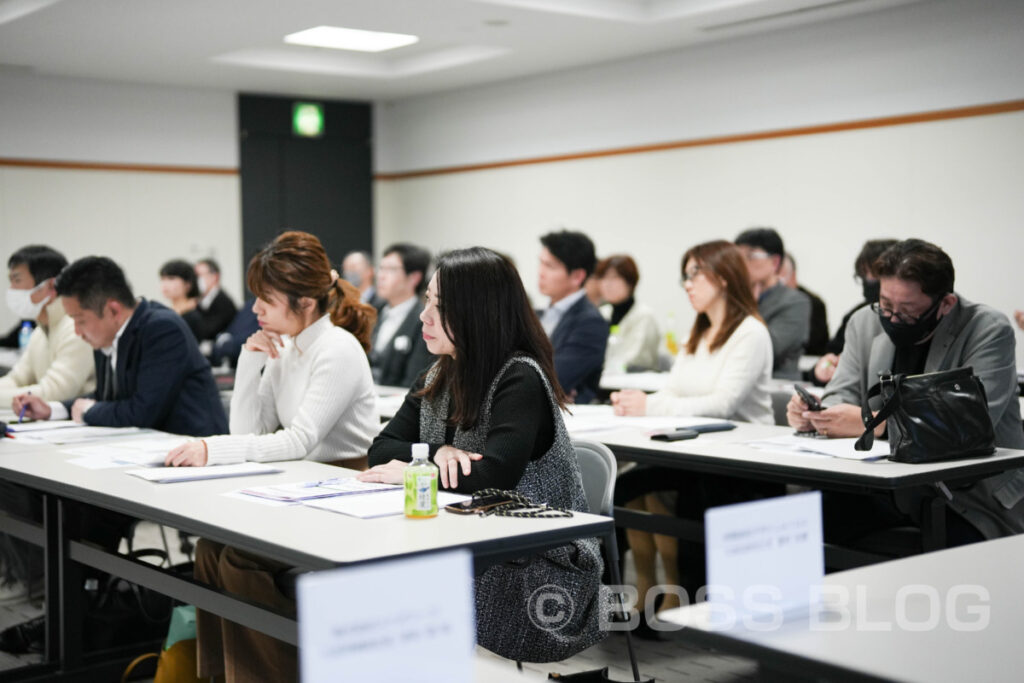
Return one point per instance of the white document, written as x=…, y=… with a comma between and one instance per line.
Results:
x=378, y=505
x=170, y=475
x=260, y=501
x=146, y=452
x=400, y=620
x=806, y=445
x=41, y=425
x=764, y=559
x=311, y=490
x=79, y=434
x=95, y=463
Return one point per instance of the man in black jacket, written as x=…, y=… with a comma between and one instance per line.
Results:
x=398, y=353
x=216, y=309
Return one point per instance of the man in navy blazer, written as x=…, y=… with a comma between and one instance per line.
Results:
x=149, y=374
x=149, y=371
x=578, y=332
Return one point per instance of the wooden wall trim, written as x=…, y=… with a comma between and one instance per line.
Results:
x=97, y=166
x=903, y=119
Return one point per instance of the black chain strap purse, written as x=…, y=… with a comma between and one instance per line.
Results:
x=505, y=504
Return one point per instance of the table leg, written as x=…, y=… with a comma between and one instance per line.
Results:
x=933, y=524
x=51, y=575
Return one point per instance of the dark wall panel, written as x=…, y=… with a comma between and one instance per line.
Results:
x=321, y=185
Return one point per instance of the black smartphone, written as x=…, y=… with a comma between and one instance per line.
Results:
x=812, y=401
x=675, y=435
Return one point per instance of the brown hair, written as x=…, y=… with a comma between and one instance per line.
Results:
x=296, y=265
x=622, y=264
x=722, y=260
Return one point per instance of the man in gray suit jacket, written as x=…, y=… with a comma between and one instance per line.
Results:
x=786, y=312
x=921, y=325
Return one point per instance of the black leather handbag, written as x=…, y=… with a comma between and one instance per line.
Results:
x=931, y=417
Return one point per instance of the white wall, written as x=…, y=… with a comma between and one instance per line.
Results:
x=932, y=55
x=954, y=182
x=140, y=219
x=46, y=117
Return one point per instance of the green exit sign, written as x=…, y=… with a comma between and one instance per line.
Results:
x=308, y=119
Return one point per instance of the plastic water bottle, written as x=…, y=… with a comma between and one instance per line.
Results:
x=671, y=341
x=24, y=334
x=420, y=484
x=614, y=338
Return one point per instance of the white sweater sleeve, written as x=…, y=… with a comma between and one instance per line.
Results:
x=743, y=359
x=68, y=376
x=326, y=398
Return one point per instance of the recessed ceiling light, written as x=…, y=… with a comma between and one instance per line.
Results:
x=339, y=38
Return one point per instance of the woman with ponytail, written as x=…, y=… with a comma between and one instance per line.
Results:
x=303, y=388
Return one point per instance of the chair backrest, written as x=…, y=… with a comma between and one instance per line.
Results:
x=780, y=401
x=598, y=467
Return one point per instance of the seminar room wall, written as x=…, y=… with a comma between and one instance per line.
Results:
x=144, y=174
x=954, y=181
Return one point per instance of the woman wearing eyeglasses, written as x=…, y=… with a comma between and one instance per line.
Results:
x=724, y=371
x=726, y=365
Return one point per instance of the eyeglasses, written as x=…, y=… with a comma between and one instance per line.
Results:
x=903, y=318
x=689, y=275
x=755, y=254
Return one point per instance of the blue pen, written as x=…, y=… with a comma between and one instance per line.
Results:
x=21, y=415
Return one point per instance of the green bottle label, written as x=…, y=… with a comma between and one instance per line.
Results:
x=421, y=490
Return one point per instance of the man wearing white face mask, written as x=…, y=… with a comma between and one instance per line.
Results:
x=57, y=365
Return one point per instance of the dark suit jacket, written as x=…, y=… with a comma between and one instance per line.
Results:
x=406, y=355
x=163, y=382
x=817, y=340
x=579, y=342
x=217, y=317
x=228, y=345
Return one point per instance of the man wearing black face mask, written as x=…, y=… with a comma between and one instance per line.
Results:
x=920, y=325
x=823, y=370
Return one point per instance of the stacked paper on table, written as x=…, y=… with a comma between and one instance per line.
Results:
x=170, y=475
x=312, y=490
x=836, y=448
x=380, y=505
x=62, y=433
x=146, y=452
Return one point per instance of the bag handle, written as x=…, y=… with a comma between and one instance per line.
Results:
x=867, y=439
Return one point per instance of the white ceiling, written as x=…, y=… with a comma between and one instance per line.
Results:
x=238, y=44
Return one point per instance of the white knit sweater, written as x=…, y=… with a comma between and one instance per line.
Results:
x=731, y=383
x=315, y=401
x=57, y=364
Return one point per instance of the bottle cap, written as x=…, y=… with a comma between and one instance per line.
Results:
x=420, y=450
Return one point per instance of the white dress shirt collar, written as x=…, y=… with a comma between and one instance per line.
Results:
x=553, y=315
x=208, y=298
